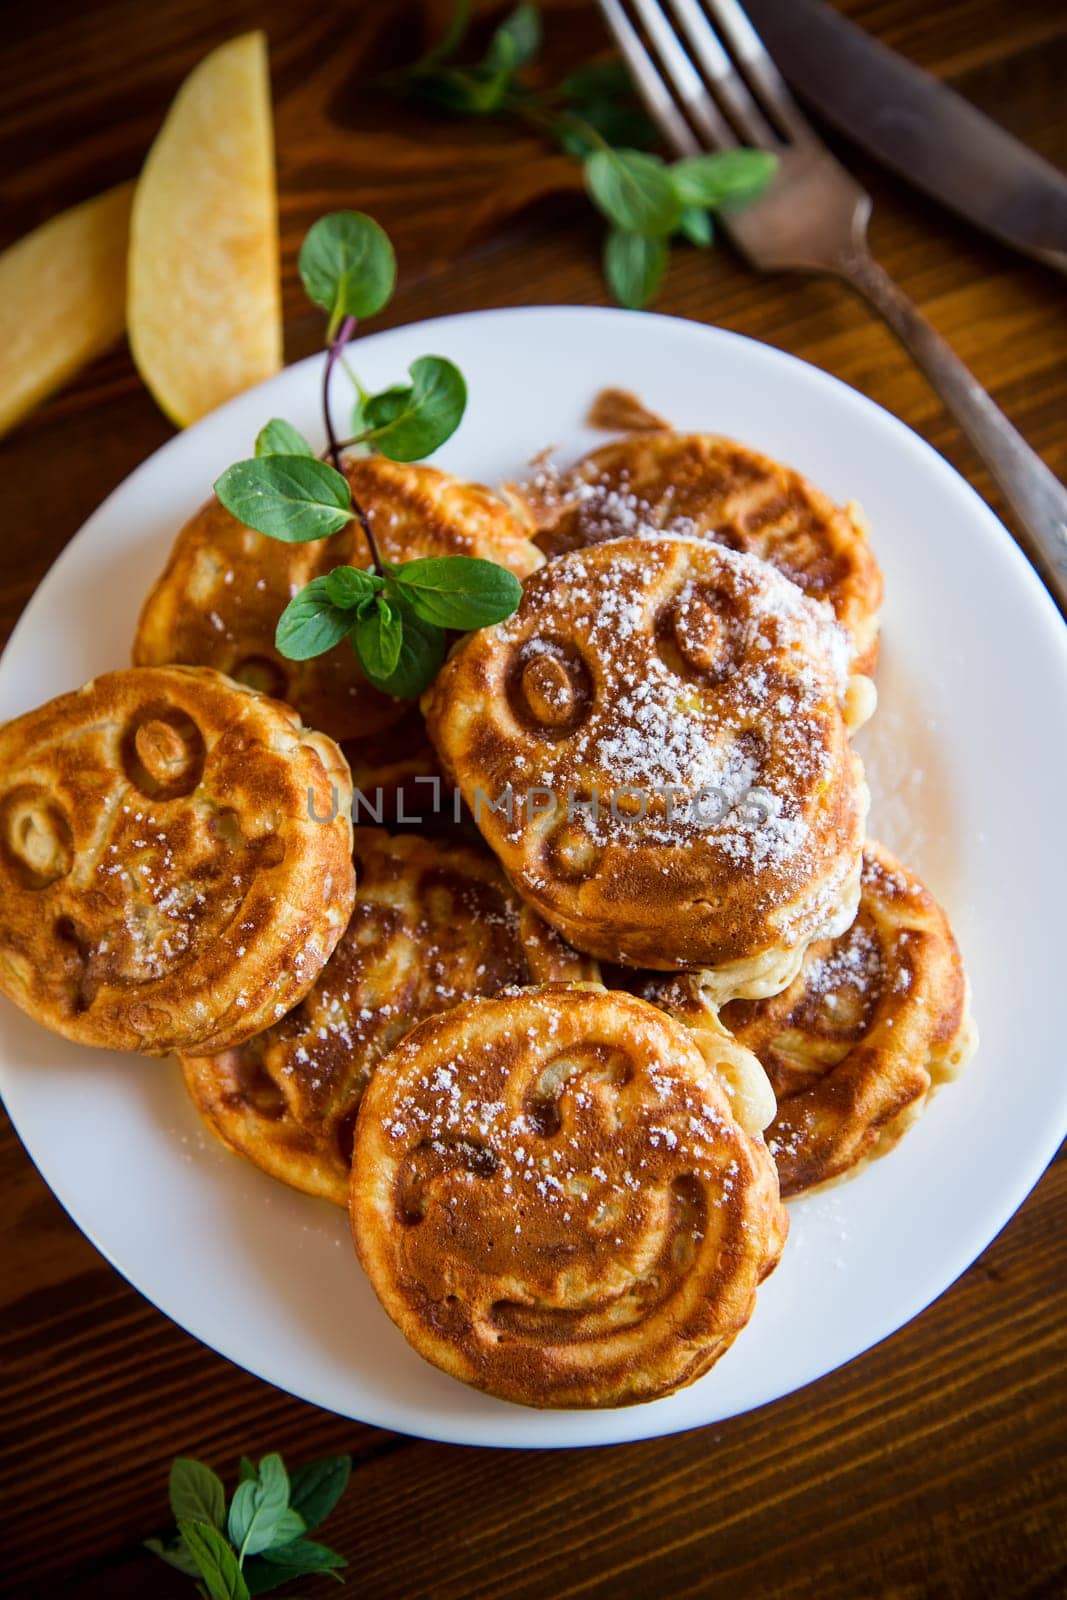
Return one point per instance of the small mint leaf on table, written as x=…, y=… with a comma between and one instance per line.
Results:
x=310, y=625
x=216, y=1562
x=292, y=498
x=348, y=587
x=316, y=1487
x=516, y=41
x=258, y=1506
x=634, y=266
x=378, y=635
x=289, y=1526
x=634, y=190
x=280, y=438
x=304, y=1555
x=696, y=226
x=175, y=1555
x=408, y=424
x=458, y=591
x=245, y=1470
x=347, y=266
x=196, y=1493
x=725, y=177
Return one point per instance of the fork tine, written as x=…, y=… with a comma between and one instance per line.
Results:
x=759, y=67
x=689, y=86
x=650, y=85
x=732, y=91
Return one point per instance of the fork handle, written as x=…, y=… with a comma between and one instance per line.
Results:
x=1034, y=493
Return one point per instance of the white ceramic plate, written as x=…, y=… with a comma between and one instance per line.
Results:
x=968, y=763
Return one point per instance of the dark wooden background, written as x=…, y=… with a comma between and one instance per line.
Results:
x=932, y=1466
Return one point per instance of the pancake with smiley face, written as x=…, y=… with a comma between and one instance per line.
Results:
x=163, y=885
x=875, y=1021
x=712, y=488
x=555, y=1203
x=218, y=601
x=656, y=747
x=433, y=924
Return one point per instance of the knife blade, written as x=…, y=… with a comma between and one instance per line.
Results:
x=916, y=126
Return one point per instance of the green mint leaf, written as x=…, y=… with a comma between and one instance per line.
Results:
x=458, y=591
x=175, y=1555
x=216, y=1562
x=314, y=1489
x=696, y=226
x=310, y=625
x=293, y=498
x=516, y=41
x=347, y=266
x=262, y=1575
x=634, y=190
x=633, y=267
x=258, y=1506
x=245, y=1470
x=196, y=1493
x=304, y=1555
x=377, y=636
x=422, y=649
x=727, y=177
x=280, y=438
x=409, y=424
x=289, y=1526
x=348, y=587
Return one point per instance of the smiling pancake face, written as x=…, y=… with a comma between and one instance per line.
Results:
x=218, y=602
x=663, y=720
x=554, y=1203
x=873, y=1023
x=711, y=488
x=433, y=924
x=162, y=884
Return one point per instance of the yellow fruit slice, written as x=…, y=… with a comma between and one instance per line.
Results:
x=62, y=299
x=204, y=309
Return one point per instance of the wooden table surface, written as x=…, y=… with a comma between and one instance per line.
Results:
x=933, y=1465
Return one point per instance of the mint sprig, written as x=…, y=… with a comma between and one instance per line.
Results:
x=594, y=116
x=261, y=1541
x=394, y=617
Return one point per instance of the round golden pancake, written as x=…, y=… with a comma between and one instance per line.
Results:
x=654, y=747
x=875, y=1021
x=554, y=1203
x=163, y=882
x=712, y=488
x=433, y=924
x=218, y=601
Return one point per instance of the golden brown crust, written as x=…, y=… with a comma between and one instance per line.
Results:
x=696, y=696
x=554, y=1203
x=163, y=884
x=717, y=489
x=874, y=1023
x=433, y=924
x=218, y=601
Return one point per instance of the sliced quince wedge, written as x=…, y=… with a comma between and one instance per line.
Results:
x=204, y=309
x=62, y=299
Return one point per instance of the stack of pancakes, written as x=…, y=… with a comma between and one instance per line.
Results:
x=640, y=975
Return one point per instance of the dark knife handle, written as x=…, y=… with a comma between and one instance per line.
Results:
x=1034, y=493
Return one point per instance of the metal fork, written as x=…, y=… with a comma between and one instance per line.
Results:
x=711, y=90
